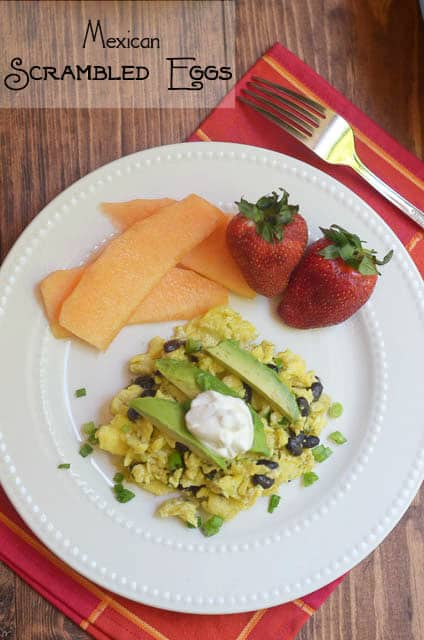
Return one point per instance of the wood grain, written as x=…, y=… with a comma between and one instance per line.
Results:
x=372, y=51
x=7, y=604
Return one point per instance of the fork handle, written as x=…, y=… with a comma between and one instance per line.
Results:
x=402, y=203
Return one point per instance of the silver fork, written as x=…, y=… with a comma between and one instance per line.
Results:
x=322, y=130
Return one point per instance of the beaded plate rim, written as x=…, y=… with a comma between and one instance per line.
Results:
x=200, y=603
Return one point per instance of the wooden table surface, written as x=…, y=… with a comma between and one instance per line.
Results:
x=373, y=52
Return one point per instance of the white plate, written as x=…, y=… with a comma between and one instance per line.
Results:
x=372, y=364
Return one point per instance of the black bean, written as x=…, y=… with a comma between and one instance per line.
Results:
x=172, y=345
x=303, y=405
x=263, y=481
x=211, y=475
x=294, y=445
x=309, y=442
x=247, y=392
x=181, y=447
x=316, y=388
x=157, y=373
x=273, y=367
x=193, y=359
x=148, y=393
x=271, y=464
x=147, y=382
x=293, y=434
x=193, y=488
x=132, y=414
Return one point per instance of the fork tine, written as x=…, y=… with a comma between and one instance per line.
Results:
x=294, y=94
x=273, y=118
x=289, y=103
x=291, y=117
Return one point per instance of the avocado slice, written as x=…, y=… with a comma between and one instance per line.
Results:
x=192, y=380
x=260, y=377
x=169, y=417
x=181, y=374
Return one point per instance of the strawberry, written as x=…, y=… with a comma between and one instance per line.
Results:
x=267, y=240
x=334, y=279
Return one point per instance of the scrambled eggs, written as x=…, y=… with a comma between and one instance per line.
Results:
x=202, y=486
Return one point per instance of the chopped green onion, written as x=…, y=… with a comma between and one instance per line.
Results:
x=125, y=428
x=278, y=362
x=122, y=494
x=335, y=410
x=175, y=461
x=192, y=345
x=321, y=453
x=79, y=393
x=274, y=501
x=212, y=526
x=64, y=465
x=89, y=428
x=118, y=477
x=198, y=525
x=85, y=450
x=337, y=437
x=309, y=478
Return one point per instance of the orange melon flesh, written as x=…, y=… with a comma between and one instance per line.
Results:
x=125, y=214
x=54, y=289
x=180, y=295
x=130, y=266
x=212, y=258
x=57, y=286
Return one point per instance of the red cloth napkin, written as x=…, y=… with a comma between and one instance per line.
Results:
x=107, y=616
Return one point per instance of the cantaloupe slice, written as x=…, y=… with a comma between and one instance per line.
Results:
x=125, y=214
x=130, y=266
x=57, y=286
x=54, y=289
x=180, y=295
x=212, y=258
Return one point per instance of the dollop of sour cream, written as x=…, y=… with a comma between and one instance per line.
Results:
x=222, y=423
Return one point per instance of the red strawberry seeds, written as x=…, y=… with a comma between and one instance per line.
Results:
x=267, y=239
x=333, y=280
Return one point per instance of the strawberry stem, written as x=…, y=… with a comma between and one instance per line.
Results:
x=271, y=214
x=349, y=247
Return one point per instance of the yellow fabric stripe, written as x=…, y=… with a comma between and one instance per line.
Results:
x=258, y=615
x=202, y=135
x=414, y=241
x=364, y=138
x=84, y=624
x=99, y=593
x=305, y=607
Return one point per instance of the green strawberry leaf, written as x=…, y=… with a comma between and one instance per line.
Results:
x=265, y=202
x=271, y=213
x=287, y=214
x=347, y=251
x=367, y=266
x=266, y=232
x=248, y=209
x=386, y=258
x=349, y=247
x=330, y=252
